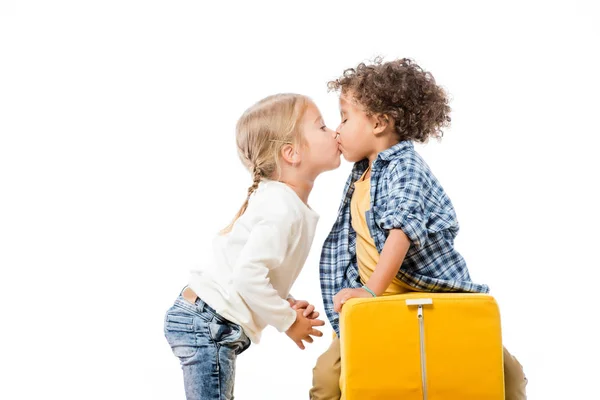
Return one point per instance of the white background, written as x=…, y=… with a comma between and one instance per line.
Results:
x=118, y=164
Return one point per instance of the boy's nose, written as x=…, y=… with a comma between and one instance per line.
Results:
x=336, y=136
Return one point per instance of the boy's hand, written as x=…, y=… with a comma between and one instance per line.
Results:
x=308, y=309
x=303, y=328
x=345, y=294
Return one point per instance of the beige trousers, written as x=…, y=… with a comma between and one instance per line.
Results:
x=326, y=376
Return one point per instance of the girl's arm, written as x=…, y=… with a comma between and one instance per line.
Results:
x=265, y=250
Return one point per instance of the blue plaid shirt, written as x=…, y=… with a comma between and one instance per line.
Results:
x=404, y=195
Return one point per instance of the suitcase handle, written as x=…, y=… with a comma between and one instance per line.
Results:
x=418, y=302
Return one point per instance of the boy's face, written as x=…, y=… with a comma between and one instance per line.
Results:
x=355, y=132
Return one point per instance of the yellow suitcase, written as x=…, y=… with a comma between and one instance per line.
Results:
x=426, y=346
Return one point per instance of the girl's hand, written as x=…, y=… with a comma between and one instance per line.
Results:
x=345, y=294
x=303, y=329
x=308, y=309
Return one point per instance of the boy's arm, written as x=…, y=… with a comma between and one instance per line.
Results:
x=394, y=250
x=391, y=258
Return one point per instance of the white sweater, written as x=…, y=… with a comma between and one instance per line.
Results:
x=254, y=266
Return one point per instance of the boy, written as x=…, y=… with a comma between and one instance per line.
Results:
x=396, y=226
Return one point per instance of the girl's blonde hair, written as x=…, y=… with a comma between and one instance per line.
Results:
x=261, y=133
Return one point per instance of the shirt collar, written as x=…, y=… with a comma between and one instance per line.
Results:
x=387, y=155
x=395, y=151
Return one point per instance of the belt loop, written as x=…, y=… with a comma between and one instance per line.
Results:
x=200, y=304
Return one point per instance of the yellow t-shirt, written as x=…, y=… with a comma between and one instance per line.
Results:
x=367, y=255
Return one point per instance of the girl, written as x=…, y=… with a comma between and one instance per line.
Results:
x=284, y=143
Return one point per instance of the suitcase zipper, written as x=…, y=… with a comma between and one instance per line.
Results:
x=420, y=303
x=422, y=341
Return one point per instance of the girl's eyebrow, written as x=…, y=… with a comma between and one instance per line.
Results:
x=319, y=118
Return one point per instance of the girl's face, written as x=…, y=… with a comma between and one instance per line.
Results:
x=321, y=151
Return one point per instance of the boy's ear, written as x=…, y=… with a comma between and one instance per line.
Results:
x=290, y=155
x=381, y=122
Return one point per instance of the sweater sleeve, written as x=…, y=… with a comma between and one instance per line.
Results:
x=264, y=251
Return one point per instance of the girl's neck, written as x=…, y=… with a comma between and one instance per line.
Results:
x=302, y=187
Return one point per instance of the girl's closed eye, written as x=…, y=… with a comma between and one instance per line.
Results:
x=323, y=125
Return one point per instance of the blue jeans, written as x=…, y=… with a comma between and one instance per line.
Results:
x=207, y=346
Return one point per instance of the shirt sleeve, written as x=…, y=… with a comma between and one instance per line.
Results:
x=264, y=251
x=405, y=206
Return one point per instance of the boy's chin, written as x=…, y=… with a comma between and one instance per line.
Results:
x=351, y=159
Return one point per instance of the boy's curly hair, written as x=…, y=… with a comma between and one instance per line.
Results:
x=403, y=91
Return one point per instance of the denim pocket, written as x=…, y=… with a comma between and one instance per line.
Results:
x=230, y=335
x=224, y=332
x=181, y=323
x=182, y=347
x=180, y=333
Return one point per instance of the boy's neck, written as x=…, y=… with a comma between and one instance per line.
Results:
x=383, y=143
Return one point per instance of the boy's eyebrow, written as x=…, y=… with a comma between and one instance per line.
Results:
x=319, y=118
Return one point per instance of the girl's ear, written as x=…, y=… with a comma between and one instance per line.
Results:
x=290, y=155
